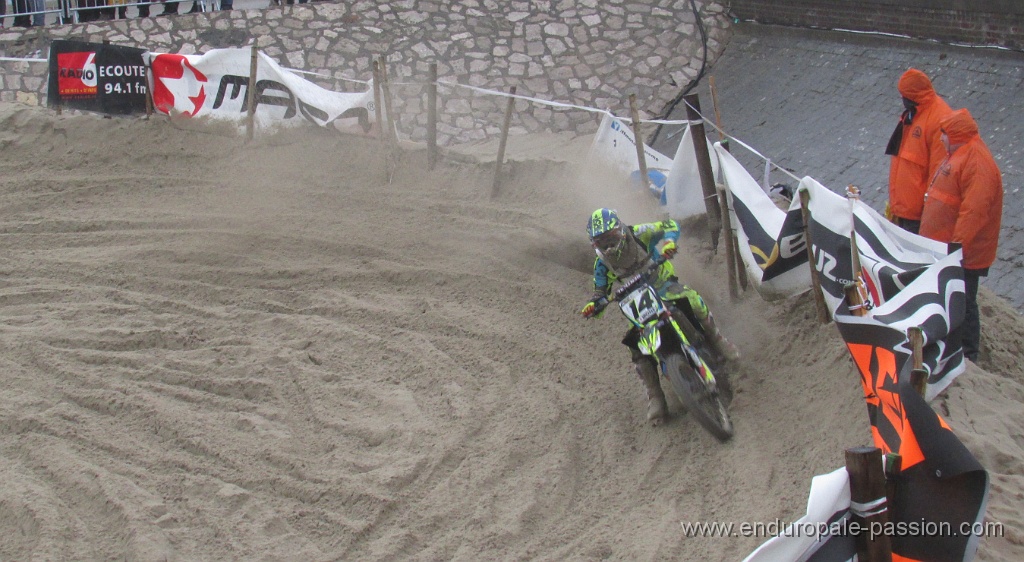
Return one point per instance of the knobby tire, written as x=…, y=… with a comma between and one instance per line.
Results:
x=708, y=409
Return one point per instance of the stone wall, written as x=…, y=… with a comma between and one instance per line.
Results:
x=591, y=53
x=977, y=22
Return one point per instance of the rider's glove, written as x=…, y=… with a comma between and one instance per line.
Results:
x=594, y=308
x=669, y=249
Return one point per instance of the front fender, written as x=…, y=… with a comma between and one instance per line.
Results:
x=650, y=340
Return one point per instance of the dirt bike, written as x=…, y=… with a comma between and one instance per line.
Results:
x=693, y=367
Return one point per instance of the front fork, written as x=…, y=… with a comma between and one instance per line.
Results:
x=650, y=342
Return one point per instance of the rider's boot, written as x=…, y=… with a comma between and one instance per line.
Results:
x=657, y=409
x=724, y=346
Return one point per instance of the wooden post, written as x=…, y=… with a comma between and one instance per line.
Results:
x=853, y=195
x=388, y=125
x=918, y=374
x=730, y=246
x=893, y=465
x=432, y=118
x=378, y=111
x=385, y=92
x=718, y=116
x=250, y=98
x=868, y=503
x=854, y=302
x=707, y=177
x=724, y=140
x=149, y=91
x=819, y=297
x=639, y=142
x=504, y=140
x=741, y=268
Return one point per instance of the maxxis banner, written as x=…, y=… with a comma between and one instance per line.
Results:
x=97, y=77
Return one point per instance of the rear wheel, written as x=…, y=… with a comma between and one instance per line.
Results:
x=706, y=406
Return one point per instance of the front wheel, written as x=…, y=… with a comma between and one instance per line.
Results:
x=706, y=406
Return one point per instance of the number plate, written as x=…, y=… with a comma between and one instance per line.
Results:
x=641, y=305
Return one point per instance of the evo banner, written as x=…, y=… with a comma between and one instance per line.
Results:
x=216, y=85
x=97, y=77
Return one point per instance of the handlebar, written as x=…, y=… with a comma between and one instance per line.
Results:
x=603, y=302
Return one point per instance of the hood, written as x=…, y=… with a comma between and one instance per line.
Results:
x=959, y=126
x=915, y=86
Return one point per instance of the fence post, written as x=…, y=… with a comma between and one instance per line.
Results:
x=250, y=95
x=868, y=503
x=707, y=176
x=730, y=246
x=432, y=118
x=149, y=90
x=639, y=144
x=819, y=297
x=504, y=140
x=854, y=301
x=918, y=375
x=389, y=118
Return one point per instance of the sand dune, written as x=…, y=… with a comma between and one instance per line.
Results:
x=221, y=351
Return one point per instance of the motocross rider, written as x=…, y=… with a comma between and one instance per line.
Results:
x=622, y=251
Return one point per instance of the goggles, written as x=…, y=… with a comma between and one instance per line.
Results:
x=608, y=239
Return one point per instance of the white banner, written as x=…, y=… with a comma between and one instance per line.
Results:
x=684, y=195
x=614, y=147
x=771, y=241
x=886, y=250
x=819, y=535
x=216, y=85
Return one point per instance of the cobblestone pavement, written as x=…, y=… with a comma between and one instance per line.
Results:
x=823, y=104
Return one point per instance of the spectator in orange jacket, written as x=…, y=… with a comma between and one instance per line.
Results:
x=915, y=147
x=964, y=204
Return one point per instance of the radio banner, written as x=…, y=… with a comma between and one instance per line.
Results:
x=97, y=77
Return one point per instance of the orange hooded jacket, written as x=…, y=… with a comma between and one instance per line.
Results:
x=965, y=200
x=921, y=148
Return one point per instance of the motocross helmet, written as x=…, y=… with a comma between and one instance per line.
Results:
x=606, y=231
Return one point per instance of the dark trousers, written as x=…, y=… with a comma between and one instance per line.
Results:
x=908, y=225
x=972, y=317
x=20, y=7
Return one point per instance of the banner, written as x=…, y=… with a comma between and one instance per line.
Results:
x=684, y=194
x=771, y=241
x=216, y=85
x=940, y=483
x=820, y=535
x=614, y=147
x=96, y=77
x=889, y=255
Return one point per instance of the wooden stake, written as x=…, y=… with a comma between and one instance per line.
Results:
x=379, y=116
x=639, y=142
x=918, y=374
x=149, y=91
x=504, y=140
x=378, y=111
x=819, y=297
x=385, y=91
x=724, y=140
x=853, y=195
x=893, y=465
x=718, y=116
x=432, y=118
x=853, y=300
x=868, y=503
x=730, y=245
x=388, y=125
x=707, y=176
x=251, y=95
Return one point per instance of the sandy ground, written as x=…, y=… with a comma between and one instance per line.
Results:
x=214, y=350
